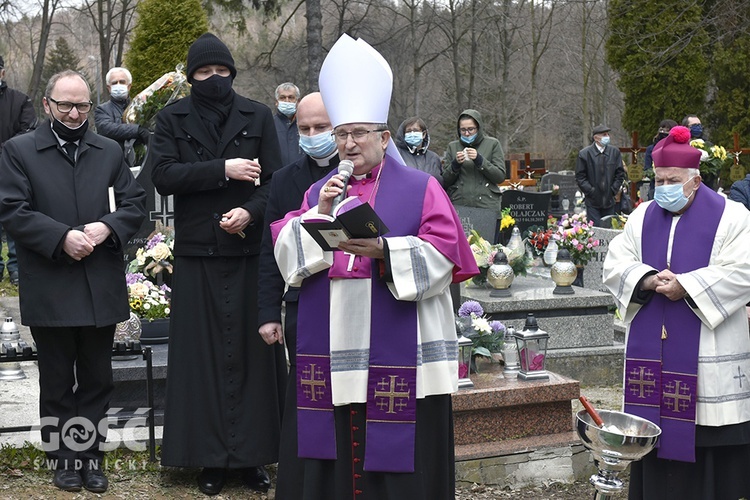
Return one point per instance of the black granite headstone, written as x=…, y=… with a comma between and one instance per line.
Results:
x=158, y=208
x=568, y=188
x=482, y=220
x=527, y=208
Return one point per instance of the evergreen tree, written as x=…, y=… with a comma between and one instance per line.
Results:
x=731, y=99
x=657, y=48
x=161, y=40
x=60, y=58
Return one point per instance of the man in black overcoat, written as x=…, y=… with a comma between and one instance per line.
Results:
x=599, y=174
x=215, y=152
x=70, y=202
x=288, y=188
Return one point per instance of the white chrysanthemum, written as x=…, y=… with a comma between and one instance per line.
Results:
x=481, y=325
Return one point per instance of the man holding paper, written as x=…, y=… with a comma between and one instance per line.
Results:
x=70, y=203
x=376, y=345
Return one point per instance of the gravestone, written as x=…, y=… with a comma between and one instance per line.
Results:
x=568, y=187
x=482, y=220
x=592, y=273
x=527, y=208
x=158, y=209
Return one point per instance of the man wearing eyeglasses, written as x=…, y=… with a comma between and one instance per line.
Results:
x=375, y=316
x=70, y=203
x=474, y=165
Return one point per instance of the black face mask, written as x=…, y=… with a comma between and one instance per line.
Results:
x=68, y=134
x=662, y=135
x=215, y=87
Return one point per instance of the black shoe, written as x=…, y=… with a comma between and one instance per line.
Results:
x=256, y=478
x=13, y=277
x=94, y=479
x=67, y=480
x=211, y=481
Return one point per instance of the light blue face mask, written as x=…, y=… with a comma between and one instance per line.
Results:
x=470, y=139
x=318, y=146
x=287, y=108
x=413, y=139
x=671, y=197
x=605, y=140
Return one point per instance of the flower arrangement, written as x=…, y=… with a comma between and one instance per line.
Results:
x=148, y=296
x=575, y=233
x=168, y=88
x=713, y=158
x=484, y=254
x=538, y=237
x=147, y=300
x=486, y=336
x=506, y=220
x=156, y=255
x=555, y=190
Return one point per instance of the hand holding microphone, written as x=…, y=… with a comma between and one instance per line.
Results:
x=335, y=189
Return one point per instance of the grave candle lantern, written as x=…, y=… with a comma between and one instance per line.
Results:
x=532, y=350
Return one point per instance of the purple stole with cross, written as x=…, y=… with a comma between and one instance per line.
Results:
x=392, y=377
x=661, y=376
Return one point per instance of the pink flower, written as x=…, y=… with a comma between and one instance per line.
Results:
x=579, y=247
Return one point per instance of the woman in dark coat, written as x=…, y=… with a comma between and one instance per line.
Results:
x=215, y=151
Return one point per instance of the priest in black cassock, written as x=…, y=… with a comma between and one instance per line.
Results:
x=215, y=152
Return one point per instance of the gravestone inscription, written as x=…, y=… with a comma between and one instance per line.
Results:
x=592, y=273
x=482, y=220
x=527, y=208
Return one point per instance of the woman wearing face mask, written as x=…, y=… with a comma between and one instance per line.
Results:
x=664, y=127
x=108, y=115
x=474, y=165
x=215, y=151
x=413, y=140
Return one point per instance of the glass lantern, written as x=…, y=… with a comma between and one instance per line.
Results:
x=465, y=347
x=532, y=350
x=510, y=353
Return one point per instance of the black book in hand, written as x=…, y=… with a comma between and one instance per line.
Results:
x=351, y=219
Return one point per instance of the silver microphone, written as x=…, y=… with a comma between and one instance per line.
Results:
x=346, y=168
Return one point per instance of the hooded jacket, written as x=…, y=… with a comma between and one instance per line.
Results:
x=419, y=157
x=474, y=183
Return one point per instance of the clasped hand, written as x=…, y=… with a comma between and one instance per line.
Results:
x=665, y=283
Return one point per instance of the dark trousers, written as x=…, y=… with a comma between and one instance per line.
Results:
x=75, y=386
x=595, y=214
x=12, y=264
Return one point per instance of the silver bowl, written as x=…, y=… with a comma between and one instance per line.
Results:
x=613, y=451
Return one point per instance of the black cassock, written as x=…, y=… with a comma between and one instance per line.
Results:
x=221, y=374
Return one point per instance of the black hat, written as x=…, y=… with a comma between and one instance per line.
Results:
x=600, y=129
x=208, y=49
x=2, y=62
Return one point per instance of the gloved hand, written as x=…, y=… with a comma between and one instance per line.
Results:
x=144, y=135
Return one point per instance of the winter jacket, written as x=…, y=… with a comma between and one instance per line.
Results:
x=740, y=191
x=419, y=157
x=17, y=114
x=599, y=175
x=474, y=183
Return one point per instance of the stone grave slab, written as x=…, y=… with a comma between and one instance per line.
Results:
x=568, y=187
x=592, y=273
x=158, y=208
x=482, y=220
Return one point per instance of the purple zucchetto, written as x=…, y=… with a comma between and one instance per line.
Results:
x=675, y=150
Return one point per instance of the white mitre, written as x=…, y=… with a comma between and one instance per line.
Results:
x=356, y=83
